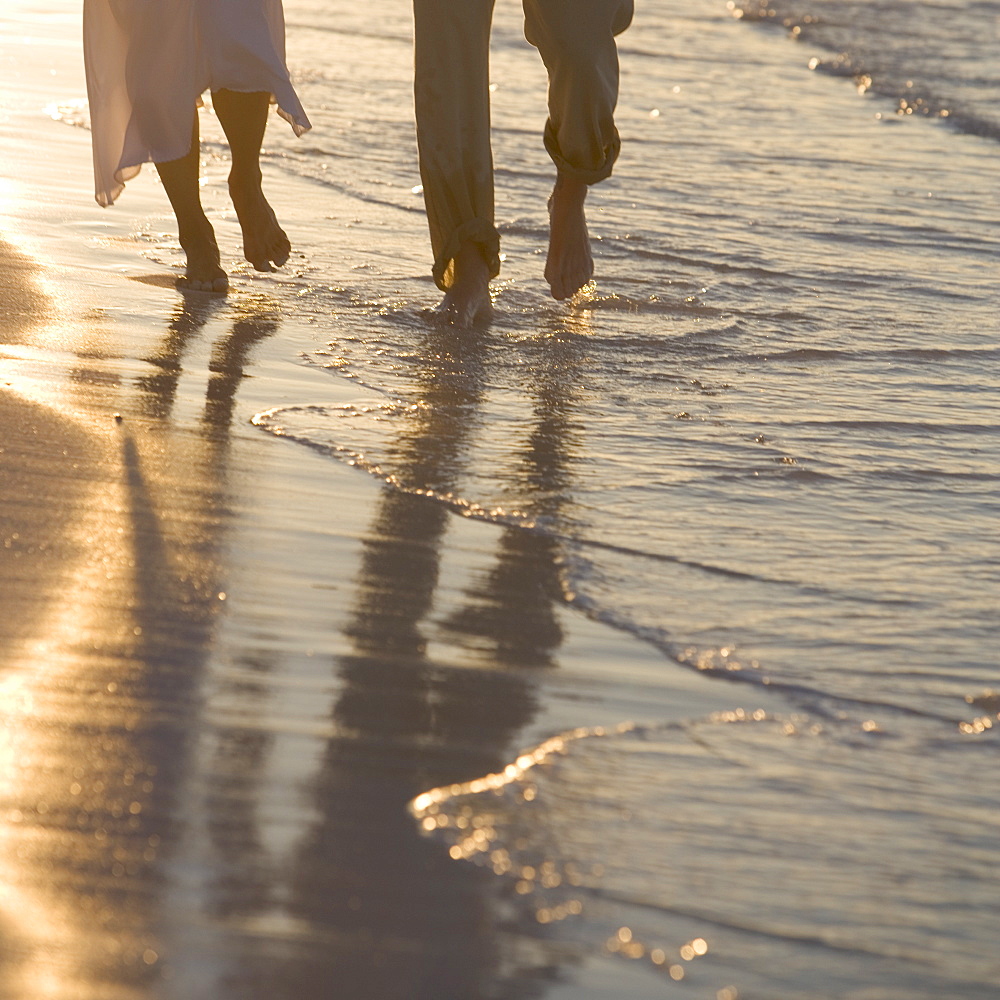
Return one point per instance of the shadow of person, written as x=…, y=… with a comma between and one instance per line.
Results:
x=157, y=390
x=98, y=745
x=395, y=915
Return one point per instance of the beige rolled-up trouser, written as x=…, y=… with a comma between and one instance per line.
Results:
x=576, y=40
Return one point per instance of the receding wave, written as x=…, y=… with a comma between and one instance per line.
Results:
x=882, y=47
x=555, y=826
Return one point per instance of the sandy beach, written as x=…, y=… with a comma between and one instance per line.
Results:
x=275, y=565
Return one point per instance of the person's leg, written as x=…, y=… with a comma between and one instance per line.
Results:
x=244, y=118
x=180, y=181
x=576, y=39
x=451, y=98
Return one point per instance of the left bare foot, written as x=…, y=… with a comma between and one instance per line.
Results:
x=569, y=265
x=264, y=241
x=467, y=303
x=204, y=272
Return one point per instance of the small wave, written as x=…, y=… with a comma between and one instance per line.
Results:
x=897, y=426
x=963, y=354
x=317, y=438
x=809, y=354
x=724, y=663
x=660, y=839
x=310, y=165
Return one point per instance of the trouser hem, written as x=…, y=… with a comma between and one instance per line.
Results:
x=585, y=174
x=478, y=231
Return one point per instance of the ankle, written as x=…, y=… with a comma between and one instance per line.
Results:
x=471, y=265
x=570, y=189
x=245, y=181
x=196, y=233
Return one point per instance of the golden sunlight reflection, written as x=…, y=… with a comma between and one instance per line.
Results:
x=110, y=607
x=476, y=828
x=625, y=944
x=75, y=777
x=428, y=802
x=988, y=702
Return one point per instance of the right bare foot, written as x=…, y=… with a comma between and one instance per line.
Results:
x=569, y=265
x=264, y=241
x=204, y=272
x=468, y=301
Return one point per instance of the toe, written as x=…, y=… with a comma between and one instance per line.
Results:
x=279, y=246
x=212, y=286
x=281, y=252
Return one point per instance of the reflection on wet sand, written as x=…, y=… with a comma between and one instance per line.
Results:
x=112, y=534
x=381, y=911
x=109, y=889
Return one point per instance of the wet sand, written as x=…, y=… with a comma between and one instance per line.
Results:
x=218, y=696
x=228, y=664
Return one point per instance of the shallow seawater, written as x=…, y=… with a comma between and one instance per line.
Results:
x=776, y=856
x=766, y=444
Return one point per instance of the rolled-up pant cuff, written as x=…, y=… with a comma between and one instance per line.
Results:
x=585, y=174
x=478, y=231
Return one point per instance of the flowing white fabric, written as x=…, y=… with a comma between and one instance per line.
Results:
x=149, y=61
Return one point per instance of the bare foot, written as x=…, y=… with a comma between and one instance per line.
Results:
x=570, y=265
x=204, y=272
x=264, y=241
x=468, y=300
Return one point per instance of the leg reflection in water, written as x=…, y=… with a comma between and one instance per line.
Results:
x=144, y=849
x=398, y=917
x=513, y=606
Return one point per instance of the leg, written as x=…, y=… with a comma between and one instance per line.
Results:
x=180, y=180
x=576, y=39
x=451, y=96
x=244, y=118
